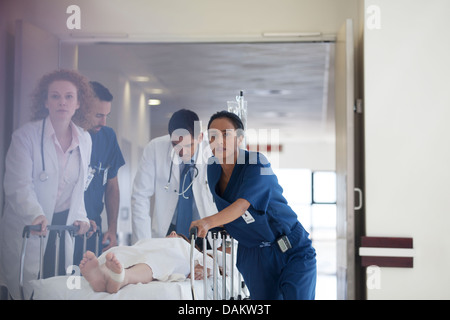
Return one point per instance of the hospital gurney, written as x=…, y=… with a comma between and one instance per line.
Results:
x=74, y=286
x=58, y=230
x=224, y=237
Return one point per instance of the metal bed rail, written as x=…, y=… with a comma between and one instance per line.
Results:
x=227, y=242
x=58, y=229
x=217, y=234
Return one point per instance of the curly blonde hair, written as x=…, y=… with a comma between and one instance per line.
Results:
x=84, y=95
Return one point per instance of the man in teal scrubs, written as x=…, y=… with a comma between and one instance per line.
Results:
x=106, y=159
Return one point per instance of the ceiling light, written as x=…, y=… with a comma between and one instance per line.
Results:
x=270, y=114
x=89, y=35
x=291, y=34
x=156, y=91
x=269, y=92
x=154, y=102
x=140, y=79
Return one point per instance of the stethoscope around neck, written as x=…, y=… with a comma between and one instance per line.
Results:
x=183, y=189
x=43, y=176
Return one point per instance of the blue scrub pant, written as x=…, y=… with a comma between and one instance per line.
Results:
x=59, y=218
x=273, y=275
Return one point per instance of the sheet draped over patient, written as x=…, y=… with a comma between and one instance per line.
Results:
x=167, y=257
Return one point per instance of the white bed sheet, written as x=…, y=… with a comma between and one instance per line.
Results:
x=56, y=288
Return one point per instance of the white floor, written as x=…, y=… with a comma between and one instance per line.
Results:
x=326, y=285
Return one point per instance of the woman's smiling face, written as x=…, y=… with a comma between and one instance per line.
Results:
x=223, y=140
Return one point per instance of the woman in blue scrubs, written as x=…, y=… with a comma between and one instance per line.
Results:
x=275, y=255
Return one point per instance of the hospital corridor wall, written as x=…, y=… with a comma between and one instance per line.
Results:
x=407, y=160
x=407, y=72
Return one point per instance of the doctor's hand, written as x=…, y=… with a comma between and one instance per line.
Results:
x=42, y=220
x=84, y=226
x=92, y=228
x=110, y=238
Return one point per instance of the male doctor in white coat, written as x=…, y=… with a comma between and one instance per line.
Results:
x=160, y=174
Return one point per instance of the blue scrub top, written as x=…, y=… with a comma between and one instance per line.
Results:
x=253, y=179
x=106, y=155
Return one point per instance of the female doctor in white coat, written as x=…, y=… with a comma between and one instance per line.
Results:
x=46, y=170
x=159, y=175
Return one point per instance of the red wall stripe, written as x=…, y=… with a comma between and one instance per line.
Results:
x=393, y=262
x=386, y=242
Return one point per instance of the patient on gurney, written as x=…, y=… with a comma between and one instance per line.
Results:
x=163, y=259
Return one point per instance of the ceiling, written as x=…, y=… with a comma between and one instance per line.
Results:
x=287, y=86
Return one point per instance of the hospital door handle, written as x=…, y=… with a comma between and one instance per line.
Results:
x=360, y=197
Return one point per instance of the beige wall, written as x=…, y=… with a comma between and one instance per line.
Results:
x=407, y=72
x=180, y=19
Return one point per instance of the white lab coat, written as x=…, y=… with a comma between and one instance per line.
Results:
x=152, y=178
x=27, y=197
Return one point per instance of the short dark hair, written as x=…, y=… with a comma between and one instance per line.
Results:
x=234, y=118
x=185, y=119
x=101, y=91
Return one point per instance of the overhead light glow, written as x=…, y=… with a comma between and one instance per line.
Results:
x=156, y=91
x=90, y=35
x=154, y=102
x=140, y=79
x=291, y=34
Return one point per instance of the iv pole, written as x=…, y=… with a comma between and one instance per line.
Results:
x=239, y=107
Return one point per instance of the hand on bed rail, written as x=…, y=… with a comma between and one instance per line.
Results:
x=201, y=226
x=193, y=233
x=92, y=229
x=83, y=226
x=40, y=227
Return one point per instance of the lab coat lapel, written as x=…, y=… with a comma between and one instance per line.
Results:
x=83, y=153
x=50, y=157
x=175, y=162
x=176, y=175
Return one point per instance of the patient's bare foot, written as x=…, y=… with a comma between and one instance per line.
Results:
x=91, y=271
x=114, y=265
